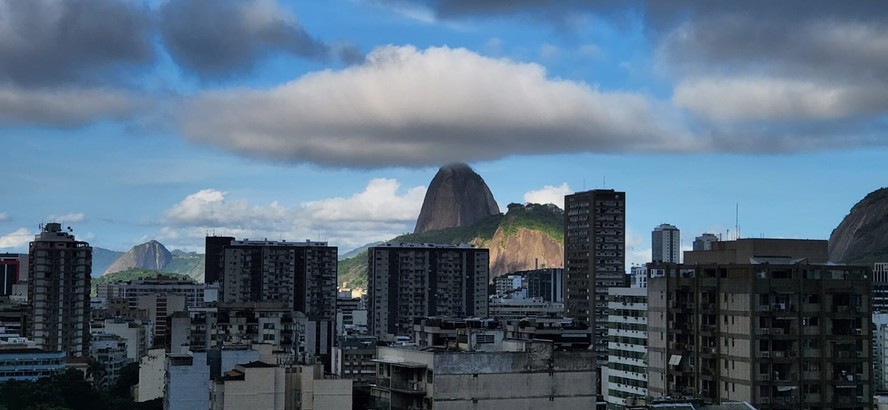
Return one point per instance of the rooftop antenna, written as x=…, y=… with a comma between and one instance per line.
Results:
x=737, y=220
x=604, y=182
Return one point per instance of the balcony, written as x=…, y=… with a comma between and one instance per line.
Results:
x=402, y=386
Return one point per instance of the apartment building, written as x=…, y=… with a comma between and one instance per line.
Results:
x=58, y=290
x=767, y=321
x=408, y=281
x=594, y=258
x=625, y=376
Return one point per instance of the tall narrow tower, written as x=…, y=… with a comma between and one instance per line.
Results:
x=58, y=291
x=665, y=244
x=594, y=257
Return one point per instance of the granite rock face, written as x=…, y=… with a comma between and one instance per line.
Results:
x=149, y=255
x=457, y=197
x=862, y=237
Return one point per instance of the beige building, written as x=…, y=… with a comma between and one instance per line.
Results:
x=259, y=385
x=765, y=321
x=515, y=375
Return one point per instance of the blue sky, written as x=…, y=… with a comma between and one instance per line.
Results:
x=168, y=120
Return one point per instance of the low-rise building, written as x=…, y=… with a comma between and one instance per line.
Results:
x=28, y=364
x=565, y=333
x=438, y=378
x=110, y=354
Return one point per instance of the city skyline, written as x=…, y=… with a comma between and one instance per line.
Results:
x=142, y=137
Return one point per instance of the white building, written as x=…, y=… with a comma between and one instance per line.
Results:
x=151, y=375
x=880, y=352
x=135, y=334
x=626, y=373
x=666, y=244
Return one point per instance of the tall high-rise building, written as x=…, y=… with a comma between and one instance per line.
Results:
x=58, y=291
x=594, y=257
x=214, y=261
x=704, y=242
x=766, y=321
x=407, y=281
x=301, y=275
x=665, y=244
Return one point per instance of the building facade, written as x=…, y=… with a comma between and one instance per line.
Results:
x=625, y=376
x=408, y=281
x=666, y=244
x=301, y=275
x=594, y=257
x=517, y=375
x=58, y=290
x=13, y=269
x=764, y=321
x=704, y=242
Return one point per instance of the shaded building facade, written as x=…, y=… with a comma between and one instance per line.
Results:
x=58, y=291
x=594, y=257
x=766, y=321
x=408, y=281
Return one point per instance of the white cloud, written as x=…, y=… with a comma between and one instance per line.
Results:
x=412, y=107
x=378, y=202
x=763, y=98
x=68, y=218
x=4, y=216
x=549, y=195
x=381, y=211
x=16, y=239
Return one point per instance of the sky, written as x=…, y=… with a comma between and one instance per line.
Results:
x=174, y=119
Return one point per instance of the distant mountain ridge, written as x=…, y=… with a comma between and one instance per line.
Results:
x=102, y=259
x=862, y=236
x=154, y=256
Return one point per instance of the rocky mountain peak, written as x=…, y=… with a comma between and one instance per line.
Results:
x=457, y=197
x=862, y=236
x=149, y=255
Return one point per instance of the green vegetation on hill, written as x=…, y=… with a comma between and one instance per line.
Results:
x=190, y=265
x=481, y=232
x=548, y=219
x=135, y=274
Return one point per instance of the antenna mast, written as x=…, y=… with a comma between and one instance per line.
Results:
x=737, y=220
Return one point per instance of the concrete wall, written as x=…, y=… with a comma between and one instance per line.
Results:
x=262, y=388
x=151, y=368
x=332, y=394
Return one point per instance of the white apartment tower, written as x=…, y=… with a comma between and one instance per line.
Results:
x=58, y=290
x=665, y=244
x=625, y=376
